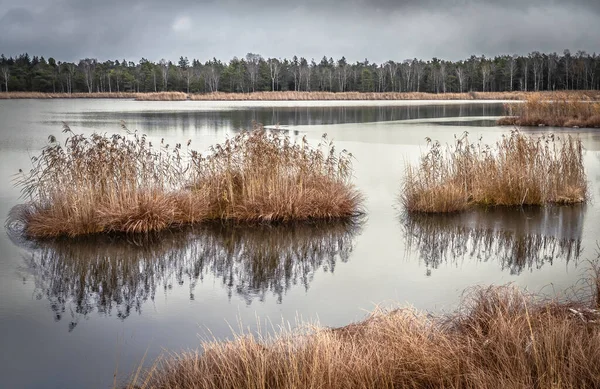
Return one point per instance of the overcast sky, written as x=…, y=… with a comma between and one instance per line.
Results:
x=378, y=30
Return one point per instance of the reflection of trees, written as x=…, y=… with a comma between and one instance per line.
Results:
x=113, y=274
x=218, y=120
x=518, y=238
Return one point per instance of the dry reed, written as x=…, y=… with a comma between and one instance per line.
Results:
x=517, y=170
x=556, y=110
x=499, y=337
x=42, y=95
x=308, y=96
x=121, y=183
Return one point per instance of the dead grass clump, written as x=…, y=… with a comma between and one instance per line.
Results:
x=517, y=170
x=260, y=176
x=123, y=184
x=499, y=337
x=556, y=110
x=162, y=96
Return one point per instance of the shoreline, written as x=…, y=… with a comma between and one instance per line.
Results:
x=297, y=96
x=499, y=336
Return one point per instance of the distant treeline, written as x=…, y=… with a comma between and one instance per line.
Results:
x=534, y=72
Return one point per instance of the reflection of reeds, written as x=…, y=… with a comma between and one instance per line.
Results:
x=499, y=338
x=114, y=274
x=483, y=237
x=101, y=184
x=517, y=170
x=556, y=110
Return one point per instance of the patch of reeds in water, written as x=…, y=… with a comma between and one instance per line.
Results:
x=556, y=110
x=162, y=96
x=518, y=170
x=499, y=337
x=116, y=275
x=122, y=183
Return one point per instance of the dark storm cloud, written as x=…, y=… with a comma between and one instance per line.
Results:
x=376, y=29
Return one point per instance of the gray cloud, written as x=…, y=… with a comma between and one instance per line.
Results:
x=375, y=29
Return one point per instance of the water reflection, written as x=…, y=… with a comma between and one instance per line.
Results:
x=114, y=275
x=519, y=239
x=235, y=119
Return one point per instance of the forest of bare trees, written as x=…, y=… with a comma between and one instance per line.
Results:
x=533, y=72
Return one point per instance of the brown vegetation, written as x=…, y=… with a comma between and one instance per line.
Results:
x=517, y=170
x=498, y=338
x=556, y=110
x=124, y=184
x=301, y=96
x=41, y=95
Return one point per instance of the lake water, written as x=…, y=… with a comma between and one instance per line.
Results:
x=74, y=313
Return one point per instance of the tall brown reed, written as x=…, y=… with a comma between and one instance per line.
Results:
x=556, y=110
x=499, y=337
x=123, y=184
x=261, y=176
x=517, y=170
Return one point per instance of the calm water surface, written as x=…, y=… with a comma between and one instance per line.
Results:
x=72, y=313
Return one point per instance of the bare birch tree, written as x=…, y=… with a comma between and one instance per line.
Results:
x=5, y=76
x=164, y=67
x=274, y=67
x=252, y=65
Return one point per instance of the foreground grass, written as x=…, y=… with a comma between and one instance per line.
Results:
x=556, y=110
x=498, y=338
x=102, y=184
x=300, y=96
x=517, y=170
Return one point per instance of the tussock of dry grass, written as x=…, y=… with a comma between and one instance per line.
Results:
x=517, y=170
x=556, y=110
x=120, y=183
x=162, y=96
x=498, y=338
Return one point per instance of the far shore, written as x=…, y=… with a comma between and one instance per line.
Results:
x=296, y=96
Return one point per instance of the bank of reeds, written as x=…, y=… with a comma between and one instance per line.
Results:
x=42, y=95
x=162, y=96
x=304, y=96
x=499, y=337
x=517, y=170
x=122, y=183
x=556, y=110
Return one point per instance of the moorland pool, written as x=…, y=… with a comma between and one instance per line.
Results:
x=73, y=313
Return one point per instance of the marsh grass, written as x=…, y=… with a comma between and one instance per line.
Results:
x=301, y=96
x=518, y=170
x=498, y=337
x=42, y=95
x=556, y=110
x=124, y=184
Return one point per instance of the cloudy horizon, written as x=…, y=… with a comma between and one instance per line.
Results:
x=379, y=30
